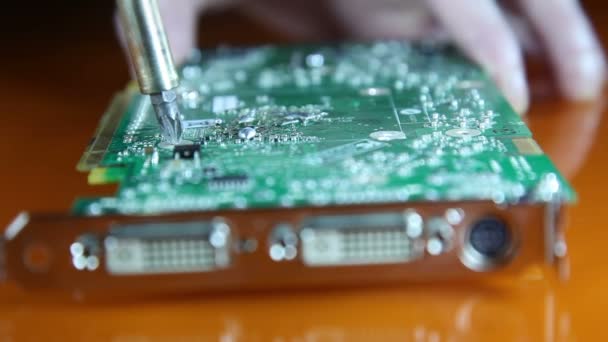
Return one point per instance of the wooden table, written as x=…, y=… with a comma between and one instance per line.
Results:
x=56, y=83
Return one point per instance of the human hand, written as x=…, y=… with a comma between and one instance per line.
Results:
x=489, y=33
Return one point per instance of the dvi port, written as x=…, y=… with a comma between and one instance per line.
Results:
x=174, y=247
x=381, y=238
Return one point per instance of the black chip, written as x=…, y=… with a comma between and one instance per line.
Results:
x=186, y=151
x=209, y=170
x=229, y=181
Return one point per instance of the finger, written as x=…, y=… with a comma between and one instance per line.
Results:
x=400, y=19
x=180, y=25
x=122, y=39
x=574, y=51
x=528, y=40
x=481, y=30
x=180, y=19
x=303, y=20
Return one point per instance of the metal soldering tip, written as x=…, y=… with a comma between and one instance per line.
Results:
x=168, y=115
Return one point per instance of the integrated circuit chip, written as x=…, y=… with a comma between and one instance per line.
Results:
x=186, y=151
x=228, y=181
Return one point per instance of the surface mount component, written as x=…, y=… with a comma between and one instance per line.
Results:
x=305, y=166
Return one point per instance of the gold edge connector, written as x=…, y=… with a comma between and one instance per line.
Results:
x=108, y=125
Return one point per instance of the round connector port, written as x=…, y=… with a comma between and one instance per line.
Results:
x=488, y=244
x=490, y=237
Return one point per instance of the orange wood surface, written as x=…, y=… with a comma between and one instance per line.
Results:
x=54, y=85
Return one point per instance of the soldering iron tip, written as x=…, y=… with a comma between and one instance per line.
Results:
x=168, y=115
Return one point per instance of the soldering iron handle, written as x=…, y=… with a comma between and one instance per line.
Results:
x=148, y=45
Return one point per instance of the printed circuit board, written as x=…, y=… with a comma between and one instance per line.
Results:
x=305, y=166
x=321, y=125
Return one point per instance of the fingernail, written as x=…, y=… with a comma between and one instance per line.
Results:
x=516, y=92
x=584, y=77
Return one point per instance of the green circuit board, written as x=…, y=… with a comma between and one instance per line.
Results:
x=321, y=125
